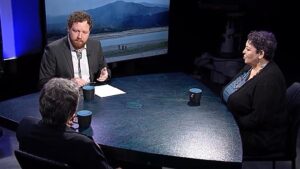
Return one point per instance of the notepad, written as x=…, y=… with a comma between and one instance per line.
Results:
x=107, y=90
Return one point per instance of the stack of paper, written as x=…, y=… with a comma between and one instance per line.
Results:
x=107, y=90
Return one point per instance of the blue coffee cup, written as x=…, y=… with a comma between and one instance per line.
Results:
x=84, y=118
x=88, y=92
x=195, y=96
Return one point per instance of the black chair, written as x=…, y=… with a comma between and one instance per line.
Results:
x=30, y=161
x=293, y=108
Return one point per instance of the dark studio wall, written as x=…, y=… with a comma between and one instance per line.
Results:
x=196, y=26
x=288, y=40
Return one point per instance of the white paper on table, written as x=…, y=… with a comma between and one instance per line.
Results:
x=107, y=90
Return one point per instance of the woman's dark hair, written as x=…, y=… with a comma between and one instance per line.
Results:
x=263, y=41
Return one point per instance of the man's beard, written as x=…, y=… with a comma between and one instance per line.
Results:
x=78, y=44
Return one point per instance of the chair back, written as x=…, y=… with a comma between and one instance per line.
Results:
x=30, y=161
x=293, y=109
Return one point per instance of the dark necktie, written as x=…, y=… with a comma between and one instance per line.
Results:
x=79, y=56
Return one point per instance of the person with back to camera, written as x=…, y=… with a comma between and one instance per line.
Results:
x=75, y=56
x=257, y=96
x=52, y=137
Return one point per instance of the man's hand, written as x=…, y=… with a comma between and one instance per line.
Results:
x=79, y=82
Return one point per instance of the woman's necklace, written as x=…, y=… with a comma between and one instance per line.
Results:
x=254, y=72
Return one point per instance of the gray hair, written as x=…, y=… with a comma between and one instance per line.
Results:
x=58, y=101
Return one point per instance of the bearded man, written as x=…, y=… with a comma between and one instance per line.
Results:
x=75, y=56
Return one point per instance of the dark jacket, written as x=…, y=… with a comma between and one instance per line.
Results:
x=259, y=109
x=60, y=144
x=57, y=60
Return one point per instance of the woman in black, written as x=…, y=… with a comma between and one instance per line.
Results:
x=256, y=97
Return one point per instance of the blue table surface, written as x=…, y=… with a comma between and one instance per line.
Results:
x=153, y=119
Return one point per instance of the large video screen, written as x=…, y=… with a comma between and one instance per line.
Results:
x=127, y=29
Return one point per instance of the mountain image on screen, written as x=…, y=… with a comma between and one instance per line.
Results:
x=115, y=17
x=126, y=30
